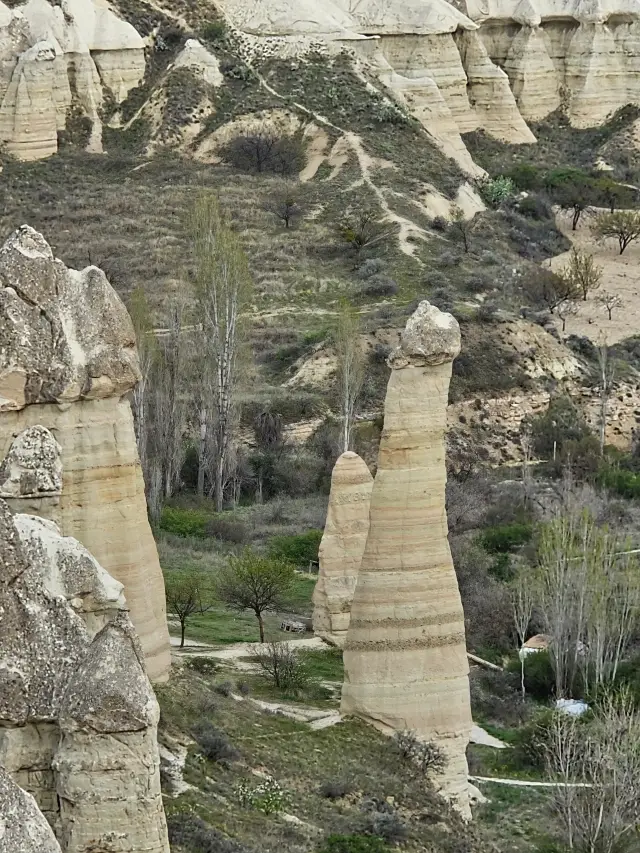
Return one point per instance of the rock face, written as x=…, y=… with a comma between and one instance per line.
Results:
x=405, y=654
x=78, y=716
x=59, y=60
x=342, y=546
x=67, y=358
x=23, y=827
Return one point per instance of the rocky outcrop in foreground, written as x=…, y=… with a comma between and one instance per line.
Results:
x=78, y=717
x=342, y=546
x=405, y=653
x=67, y=361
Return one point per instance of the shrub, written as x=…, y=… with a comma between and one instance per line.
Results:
x=283, y=665
x=362, y=229
x=530, y=747
x=385, y=825
x=534, y=207
x=504, y=538
x=184, y=522
x=379, y=353
x=353, y=844
x=191, y=833
x=539, y=678
x=225, y=688
x=214, y=744
x=623, y=483
x=335, y=790
x=243, y=688
x=562, y=422
x=300, y=549
x=370, y=267
x=440, y=223
x=268, y=797
x=226, y=530
x=214, y=30
x=263, y=151
x=426, y=755
x=525, y=176
x=379, y=285
x=495, y=191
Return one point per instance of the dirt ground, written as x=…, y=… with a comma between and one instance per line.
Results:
x=621, y=276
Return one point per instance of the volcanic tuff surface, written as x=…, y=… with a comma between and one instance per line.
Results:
x=67, y=360
x=78, y=717
x=457, y=67
x=342, y=546
x=405, y=653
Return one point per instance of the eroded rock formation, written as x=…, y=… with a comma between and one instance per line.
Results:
x=67, y=360
x=78, y=716
x=59, y=60
x=405, y=654
x=23, y=827
x=342, y=546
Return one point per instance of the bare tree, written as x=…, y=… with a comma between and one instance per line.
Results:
x=286, y=206
x=609, y=301
x=598, y=768
x=350, y=372
x=147, y=355
x=565, y=309
x=363, y=229
x=223, y=288
x=522, y=601
x=168, y=406
x=606, y=379
x=461, y=227
x=270, y=445
x=188, y=593
x=588, y=596
x=583, y=272
x=623, y=225
x=543, y=287
x=262, y=150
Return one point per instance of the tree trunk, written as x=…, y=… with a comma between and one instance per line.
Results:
x=522, y=675
x=202, y=451
x=183, y=625
x=261, y=625
x=219, y=483
x=259, y=489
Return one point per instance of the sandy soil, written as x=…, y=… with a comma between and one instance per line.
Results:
x=621, y=276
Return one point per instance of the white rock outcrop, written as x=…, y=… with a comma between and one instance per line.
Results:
x=67, y=361
x=58, y=59
x=342, y=547
x=405, y=654
x=78, y=717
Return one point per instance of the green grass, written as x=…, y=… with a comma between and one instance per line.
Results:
x=325, y=665
x=302, y=760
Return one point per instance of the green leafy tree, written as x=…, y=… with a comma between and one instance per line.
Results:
x=613, y=194
x=252, y=582
x=573, y=190
x=623, y=225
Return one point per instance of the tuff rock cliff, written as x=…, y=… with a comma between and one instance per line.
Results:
x=57, y=61
x=405, y=653
x=459, y=66
x=342, y=546
x=67, y=361
x=78, y=716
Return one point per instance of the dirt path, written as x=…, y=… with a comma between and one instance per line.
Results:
x=620, y=276
x=526, y=783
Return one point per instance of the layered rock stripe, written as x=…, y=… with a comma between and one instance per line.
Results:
x=342, y=547
x=67, y=361
x=405, y=653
